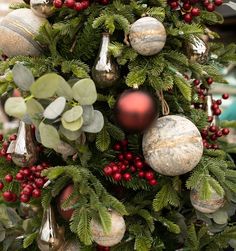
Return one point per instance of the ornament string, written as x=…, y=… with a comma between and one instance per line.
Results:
x=164, y=104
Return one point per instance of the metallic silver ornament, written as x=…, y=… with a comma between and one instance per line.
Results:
x=23, y=149
x=105, y=71
x=197, y=50
x=51, y=236
x=42, y=8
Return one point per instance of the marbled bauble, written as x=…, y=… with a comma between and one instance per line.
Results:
x=18, y=30
x=197, y=50
x=172, y=145
x=206, y=206
x=65, y=194
x=42, y=8
x=116, y=234
x=147, y=36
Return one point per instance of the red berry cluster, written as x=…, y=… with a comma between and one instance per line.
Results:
x=192, y=8
x=77, y=5
x=5, y=145
x=129, y=164
x=31, y=183
x=101, y=248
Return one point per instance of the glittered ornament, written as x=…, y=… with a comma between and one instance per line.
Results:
x=105, y=71
x=51, y=236
x=147, y=36
x=42, y=8
x=135, y=110
x=210, y=205
x=23, y=150
x=172, y=145
x=18, y=30
x=64, y=195
x=197, y=50
x=116, y=233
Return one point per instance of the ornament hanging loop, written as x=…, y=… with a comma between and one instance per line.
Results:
x=164, y=104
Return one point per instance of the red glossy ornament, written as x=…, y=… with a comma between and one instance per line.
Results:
x=36, y=193
x=217, y=112
x=135, y=110
x=188, y=18
x=210, y=7
x=127, y=176
x=57, y=3
x=195, y=11
x=108, y=170
x=66, y=192
x=153, y=182
x=24, y=198
x=70, y=3
x=218, y=2
x=117, y=177
x=196, y=82
x=225, y=131
x=174, y=5
x=7, y=195
x=225, y=96
x=187, y=6
x=8, y=178
x=209, y=80
x=149, y=175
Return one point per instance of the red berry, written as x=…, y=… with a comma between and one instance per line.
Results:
x=39, y=182
x=217, y=112
x=117, y=177
x=126, y=162
x=1, y=136
x=124, y=142
x=215, y=106
x=120, y=156
x=7, y=195
x=215, y=146
x=225, y=96
x=127, y=176
x=19, y=177
x=210, y=119
x=5, y=145
x=188, y=18
x=128, y=156
x=44, y=164
x=108, y=170
x=141, y=174
x=85, y=5
x=218, y=101
x=187, y=6
x=57, y=3
x=8, y=157
x=174, y=5
x=14, y=197
x=27, y=191
x=195, y=11
x=205, y=144
x=115, y=169
x=123, y=167
x=9, y=178
x=39, y=168
x=70, y=3
x=12, y=137
x=153, y=182
x=31, y=178
x=212, y=128
x=204, y=133
x=117, y=147
x=37, y=174
x=104, y=2
x=219, y=133
x=3, y=152
x=196, y=82
x=139, y=164
x=209, y=80
x=78, y=6
x=1, y=185
x=27, y=172
x=218, y=2
x=210, y=7
x=36, y=193
x=149, y=175
x=33, y=168
x=133, y=169
x=225, y=131
x=213, y=137
x=24, y=198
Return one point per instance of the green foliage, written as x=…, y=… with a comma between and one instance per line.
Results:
x=29, y=239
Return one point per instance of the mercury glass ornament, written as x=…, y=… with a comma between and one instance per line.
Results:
x=172, y=145
x=197, y=50
x=51, y=236
x=18, y=30
x=42, y=8
x=116, y=234
x=147, y=36
x=24, y=152
x=206, y=206
x=105, y=71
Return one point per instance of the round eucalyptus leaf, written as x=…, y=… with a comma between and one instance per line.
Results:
x=35, y=111
x=16, y=107
x=64, y=90
x=84, y=91
x=49, y=135
x=37, y=135
x=72, y=126
x=220, y=216
x=22, y=76
x=46, y=86
x=88, y=114
x=69, y=134
x=73, y=114
x=97, y=123
x=55, y=109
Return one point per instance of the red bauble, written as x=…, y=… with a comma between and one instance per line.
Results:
x=135, y=110
x=65, y=194
x=188, y=18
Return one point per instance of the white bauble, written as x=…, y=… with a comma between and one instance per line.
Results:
x=172, y=145
x=18, y=30
x=114, y=236
x=147, y=36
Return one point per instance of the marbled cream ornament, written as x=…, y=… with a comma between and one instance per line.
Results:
x=207, y=206
x=147, y=36
x=116, y=234
x=172, y=145
x=18, y=30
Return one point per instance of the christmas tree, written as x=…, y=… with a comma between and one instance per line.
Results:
x=118, y=146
